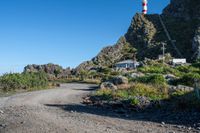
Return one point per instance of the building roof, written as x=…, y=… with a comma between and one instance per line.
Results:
x=126, y=62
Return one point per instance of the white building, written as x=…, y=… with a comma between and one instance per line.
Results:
x=179, y=61
x=127, y=64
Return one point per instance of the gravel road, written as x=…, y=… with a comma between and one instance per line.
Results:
x=60, y=111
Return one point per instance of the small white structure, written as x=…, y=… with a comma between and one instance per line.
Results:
x=127, y=64
x=179, y=61
x=160, y=57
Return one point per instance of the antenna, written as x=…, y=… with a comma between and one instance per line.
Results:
x=144, y=6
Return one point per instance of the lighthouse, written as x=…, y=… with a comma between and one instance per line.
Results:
x=144, y=6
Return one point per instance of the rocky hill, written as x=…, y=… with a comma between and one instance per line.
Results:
x=187, y=9
x=52, y=70
x=146, y=34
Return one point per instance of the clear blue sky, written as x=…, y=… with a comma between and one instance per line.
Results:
x=64, y=32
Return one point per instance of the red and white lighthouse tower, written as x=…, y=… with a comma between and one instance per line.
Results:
x=144, y=6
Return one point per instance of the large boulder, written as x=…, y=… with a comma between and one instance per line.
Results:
x=136, y=75
x=108, y=85
x=180, y=88
x=119, y=80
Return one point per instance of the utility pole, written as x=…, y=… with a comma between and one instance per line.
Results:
x=163, y=49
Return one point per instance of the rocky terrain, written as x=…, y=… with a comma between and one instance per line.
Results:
x=146, y=34
x=54, y=71
x=187, y=9
x=60, y=110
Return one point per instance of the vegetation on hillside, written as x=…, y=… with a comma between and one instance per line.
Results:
x=24, y=81
x=154, y=86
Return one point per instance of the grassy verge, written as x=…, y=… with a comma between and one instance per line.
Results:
x=140, y=93
x=17, y=83
x=131, y=94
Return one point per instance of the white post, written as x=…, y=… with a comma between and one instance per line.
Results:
x=144, y=6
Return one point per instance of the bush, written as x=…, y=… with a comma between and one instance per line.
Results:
x=105, y=94
x=188, y=79
x=26, y=81
x=151, y=69
x=155, y=79
x=148, y=91
x=135, y=90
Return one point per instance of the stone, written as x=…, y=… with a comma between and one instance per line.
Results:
x=170, y=77
x=1, y=112
x=180, y=88
x=163, y=123
x=136, y=75
x=119, y=80
x=108, y=85
x=3, y=125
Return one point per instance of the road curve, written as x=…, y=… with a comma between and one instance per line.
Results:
x=60, y=111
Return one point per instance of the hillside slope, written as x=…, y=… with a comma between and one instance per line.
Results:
x=146, y=34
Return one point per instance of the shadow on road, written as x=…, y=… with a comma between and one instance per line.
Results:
x=187, y=119
x=91, y=88
x=167, y=113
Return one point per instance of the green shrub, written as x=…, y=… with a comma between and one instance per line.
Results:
x=188, y=79
x=26, y=81
x=105, y=94
x=196, y=64
x=121, y=94
x=151, y=69
x=137, y=89
x=134, y=101
x=155, y=79
x=148, y=91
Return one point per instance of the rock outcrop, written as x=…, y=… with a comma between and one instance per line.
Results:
x=110, y=54
x=119, y=80
x=187, y=9
x=53, y=71
x=108, y=85
x=147, y=34
x=107, y=56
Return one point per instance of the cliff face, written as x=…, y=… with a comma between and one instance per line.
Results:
x=110, y=54
x=187, y=9
x=186, y=13
x=147, y=34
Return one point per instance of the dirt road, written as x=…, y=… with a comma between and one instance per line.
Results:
x=60, y=111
